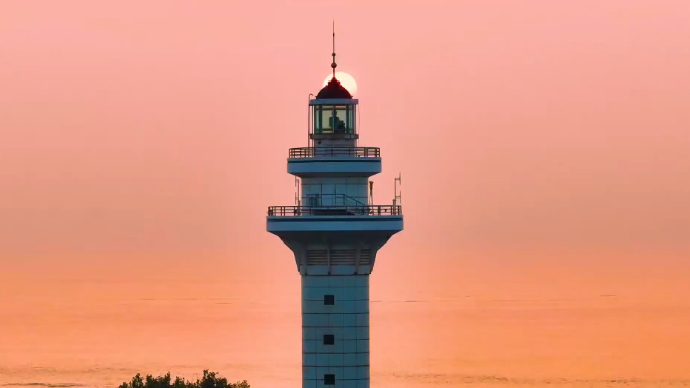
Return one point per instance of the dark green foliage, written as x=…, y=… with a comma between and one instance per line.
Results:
x=209, y=380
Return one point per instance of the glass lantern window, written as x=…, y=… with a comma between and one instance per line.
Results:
x=334, y=119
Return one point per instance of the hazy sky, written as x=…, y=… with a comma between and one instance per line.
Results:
x=157, y=132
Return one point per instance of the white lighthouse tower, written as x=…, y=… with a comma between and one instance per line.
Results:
x=335, y=231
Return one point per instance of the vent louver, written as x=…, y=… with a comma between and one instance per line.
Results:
x=338, y=257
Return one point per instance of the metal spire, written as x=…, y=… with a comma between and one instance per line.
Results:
x=334, y=65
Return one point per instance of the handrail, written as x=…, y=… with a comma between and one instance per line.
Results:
x=334, y=199
x=357, y=203
x=367, y=210
x=310, y=152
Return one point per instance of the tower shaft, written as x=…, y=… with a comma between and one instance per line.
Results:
x=335, y=330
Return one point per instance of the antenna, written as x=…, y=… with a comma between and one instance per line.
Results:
x=334, y=65
x=398, y=196
x=371, y=192
x=297, y=197
x=309, y=121
x=358, y=116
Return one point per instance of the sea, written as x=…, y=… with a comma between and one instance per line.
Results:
x=100, y=334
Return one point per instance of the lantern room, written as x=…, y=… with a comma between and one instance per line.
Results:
x=333, y=117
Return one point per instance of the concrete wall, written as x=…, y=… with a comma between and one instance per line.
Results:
x=334, y=166
x=347, y=320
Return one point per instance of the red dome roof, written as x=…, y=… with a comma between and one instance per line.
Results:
x=333, y=90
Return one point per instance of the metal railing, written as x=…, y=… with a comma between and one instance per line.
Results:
x=366, y=210
x=360, y=152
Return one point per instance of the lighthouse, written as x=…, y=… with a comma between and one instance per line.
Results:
x=335, y=231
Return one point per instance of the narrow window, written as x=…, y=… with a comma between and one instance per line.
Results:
x=329, y=300
x=328, y=339
x=329, y=379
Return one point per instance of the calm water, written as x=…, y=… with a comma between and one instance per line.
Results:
x=101, y=335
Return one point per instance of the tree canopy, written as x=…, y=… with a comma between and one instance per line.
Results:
x=209, y=380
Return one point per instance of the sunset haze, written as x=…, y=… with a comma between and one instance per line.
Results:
x=544, y=149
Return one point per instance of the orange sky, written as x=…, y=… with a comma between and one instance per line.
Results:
x=531, y=136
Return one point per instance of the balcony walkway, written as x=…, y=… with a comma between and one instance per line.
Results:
x=365, y=210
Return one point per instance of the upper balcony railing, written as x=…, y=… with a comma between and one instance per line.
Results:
x=359, y=152
x=365, y=210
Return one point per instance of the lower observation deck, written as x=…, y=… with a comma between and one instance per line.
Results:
x=381, y=218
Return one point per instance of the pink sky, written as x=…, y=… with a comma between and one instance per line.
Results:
x=536, y=134
x=544, y=148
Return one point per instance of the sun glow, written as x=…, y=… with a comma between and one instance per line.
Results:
x=345, y=79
